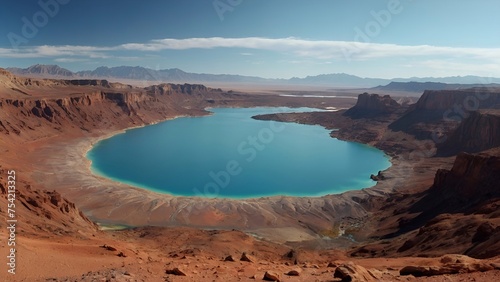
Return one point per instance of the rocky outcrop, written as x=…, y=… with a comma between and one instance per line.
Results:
x=473, y=178
x=478, y=132
x=44, y=211
x=370, y=105
x=89, y=82
x=169, y=88
x=52, y=206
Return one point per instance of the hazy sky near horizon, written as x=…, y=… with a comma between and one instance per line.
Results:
x=267, y=38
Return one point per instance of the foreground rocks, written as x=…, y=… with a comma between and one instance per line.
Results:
x=452, y=264
x=175, y=271
x=351, y=272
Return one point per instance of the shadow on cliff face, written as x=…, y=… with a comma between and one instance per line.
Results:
x=471, y=183
x=373, y=105
x=458, y=214
x=478, y=132
x=443, y=111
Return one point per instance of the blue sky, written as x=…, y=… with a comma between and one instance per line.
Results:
x=268, y=38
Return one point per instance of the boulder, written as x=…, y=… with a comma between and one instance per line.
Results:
x=271, y=276
x=351, y=272
x=175, y=271
x=247, y=257
x=332, y=264
x=109, y=248
x=294, y=272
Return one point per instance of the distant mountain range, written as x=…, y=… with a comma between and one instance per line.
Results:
x=42, y=70
x=422, y=86
x=413, y=84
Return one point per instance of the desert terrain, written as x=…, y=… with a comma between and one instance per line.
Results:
x=433, y=215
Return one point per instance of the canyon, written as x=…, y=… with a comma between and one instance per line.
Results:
x=434, y=200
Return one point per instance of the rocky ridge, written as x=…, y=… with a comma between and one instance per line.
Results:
x=478, y=132
x=93, y=103
x=438, y=113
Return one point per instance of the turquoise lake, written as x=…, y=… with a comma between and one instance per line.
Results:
x=231, y=155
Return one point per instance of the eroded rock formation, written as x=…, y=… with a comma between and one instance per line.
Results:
x=438, y=113
x=457, y=214
x=369, y=105
x=478, y=132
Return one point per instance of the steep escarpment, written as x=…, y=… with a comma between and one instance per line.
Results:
x=473, y=179
x=438, y=113
x=461, y=206
x=470, y=99
x=13, y=86
x=459, y=213
x=27, y=117
x=370, y=105
x=478, y=132
x=99, y=105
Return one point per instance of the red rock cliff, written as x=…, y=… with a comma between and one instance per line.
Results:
x=442, y=111
x=369, y=105
x=38, y=108
x=473, y=178
x=479, y=131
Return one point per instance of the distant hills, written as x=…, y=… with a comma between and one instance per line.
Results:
x=422, y=86
x=413, y=84
x=42, y=70
x=136, y=73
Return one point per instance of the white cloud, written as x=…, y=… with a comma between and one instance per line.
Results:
x=55, y=51
x=315, y=48
x=70, y=60
x=310, y=49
